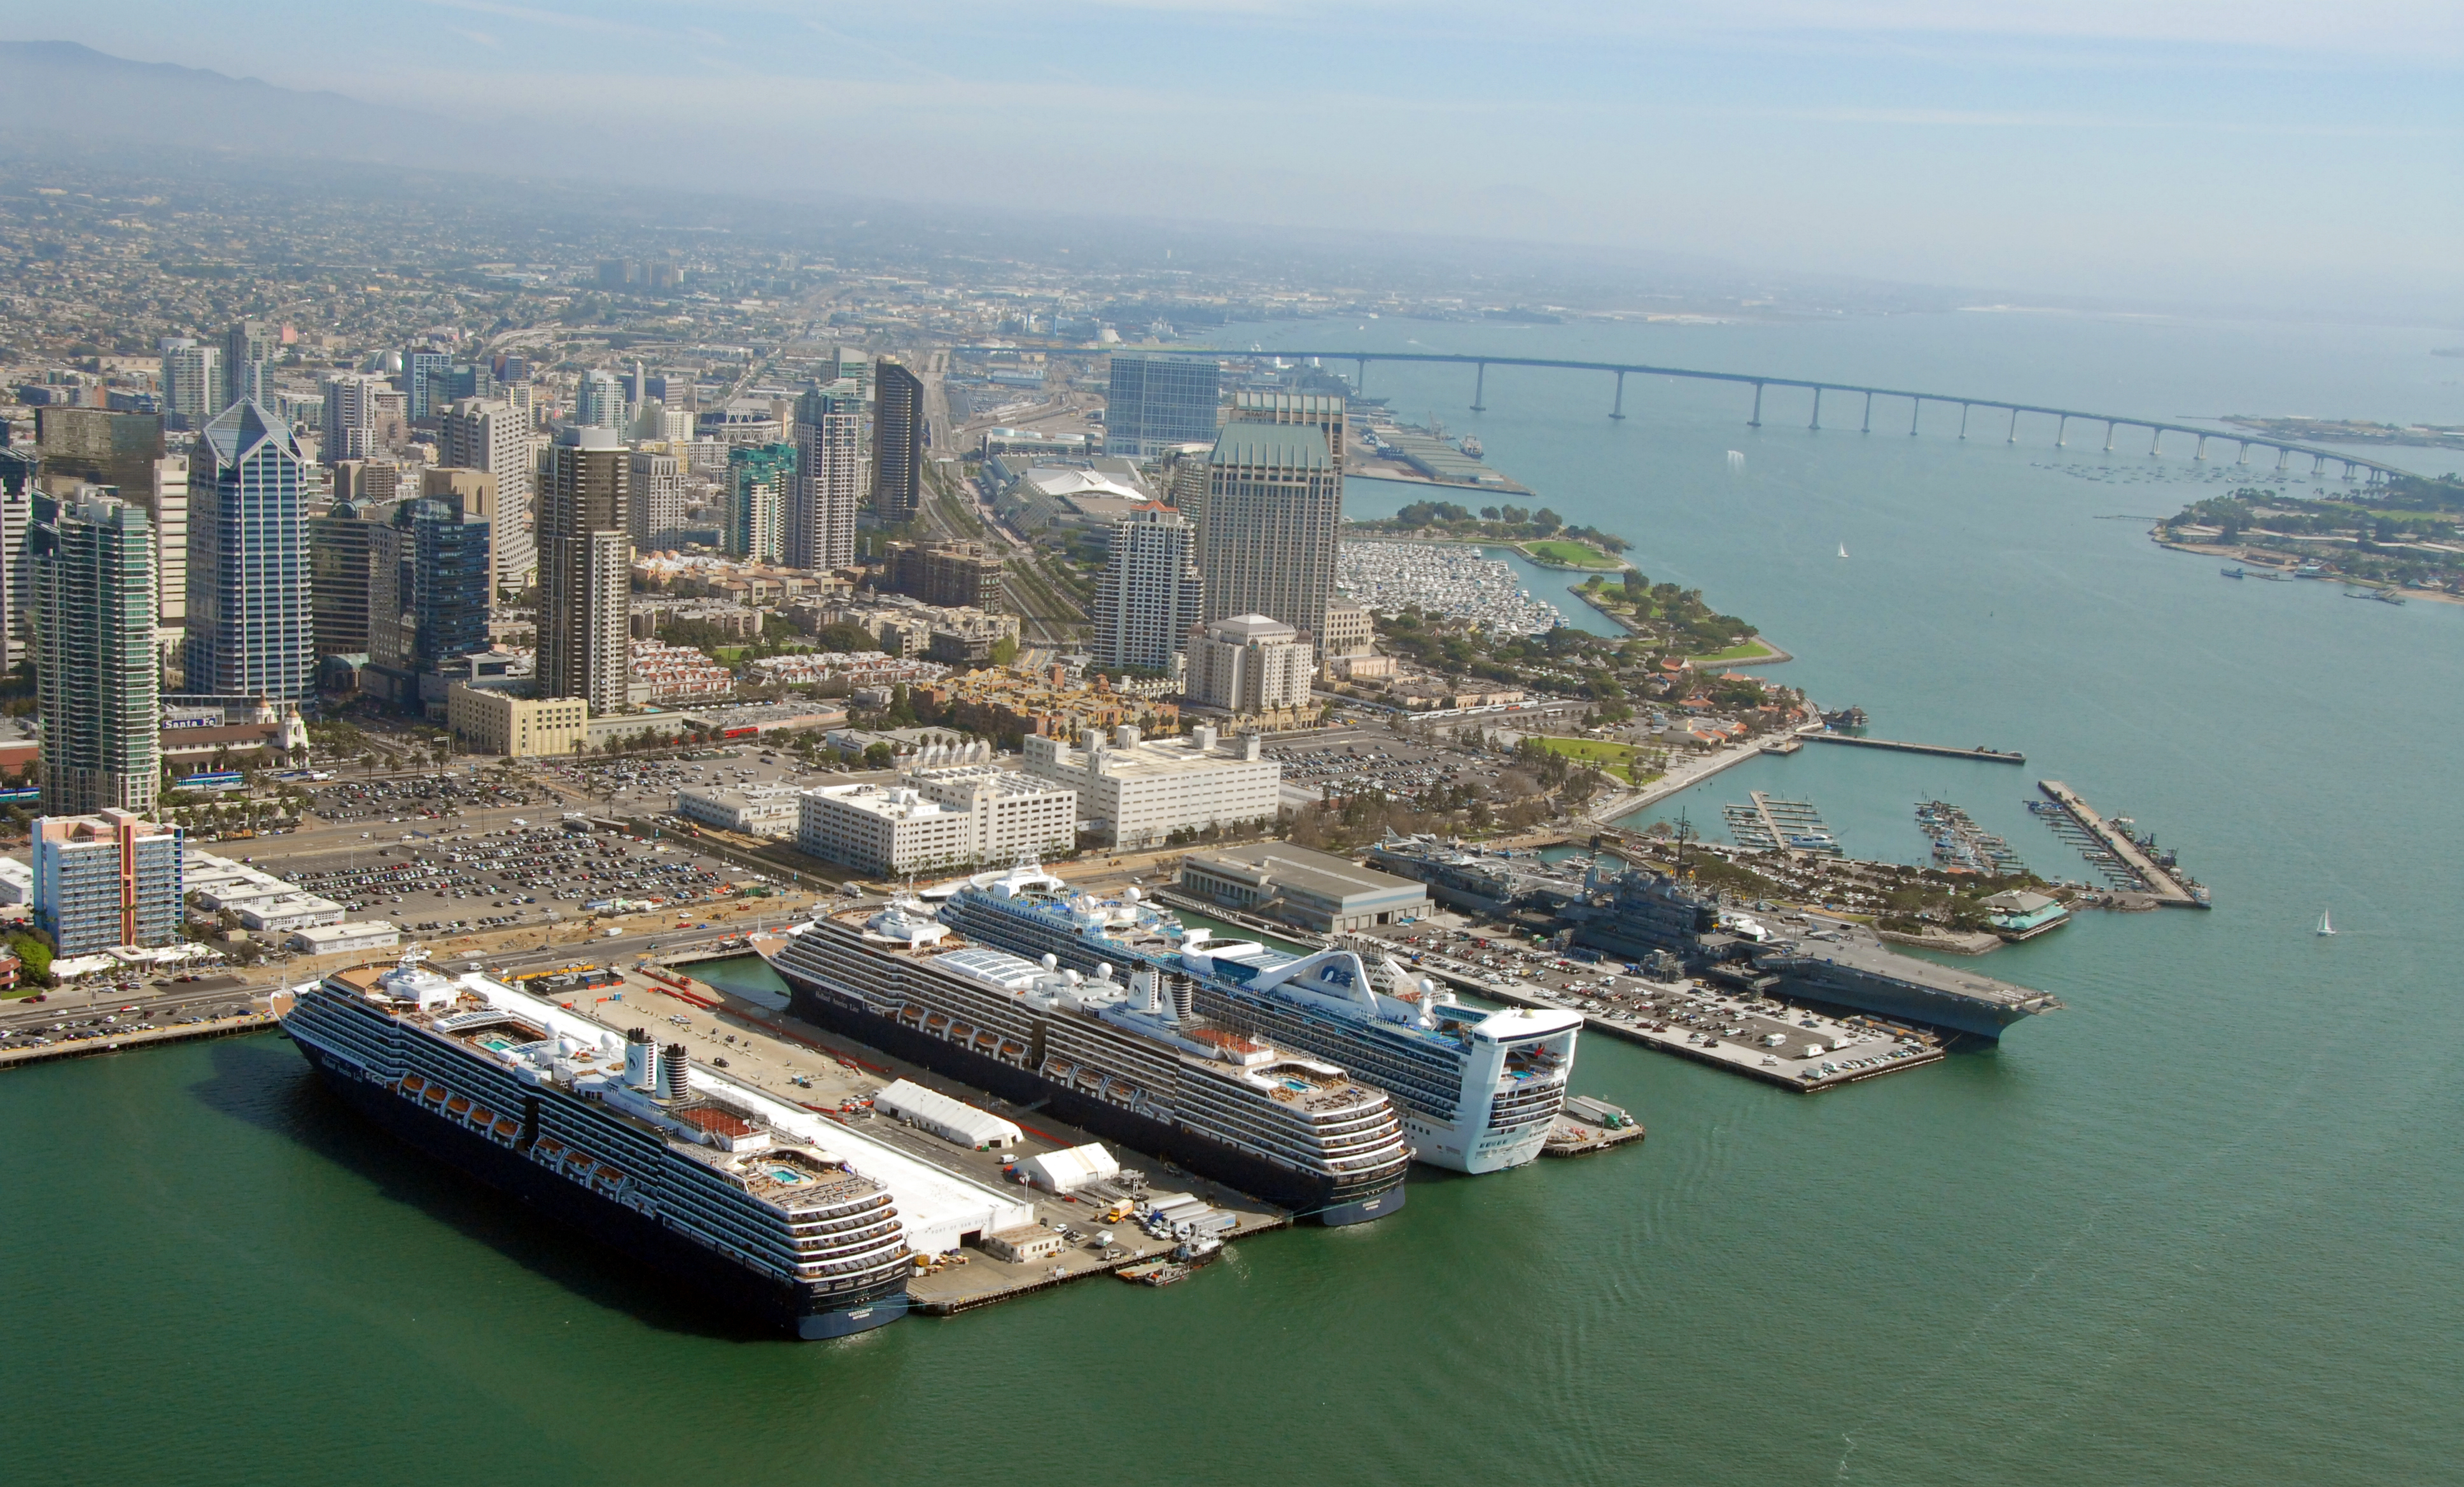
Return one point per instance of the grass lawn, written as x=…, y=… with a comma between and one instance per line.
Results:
x=1579, y=555
x=1615, y=758
x=1750, y=651
x=728, y=655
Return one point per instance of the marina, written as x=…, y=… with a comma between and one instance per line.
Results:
x=1961, y=846
x=1774, y=825
x=1452, y=579
x=2126, y=862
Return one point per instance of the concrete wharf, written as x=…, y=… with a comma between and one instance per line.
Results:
x=1939, y=750
x=2164, y=886
x=1569, y=1137
x=114, y=1042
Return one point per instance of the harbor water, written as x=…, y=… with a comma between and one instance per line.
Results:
x=2198, y=1226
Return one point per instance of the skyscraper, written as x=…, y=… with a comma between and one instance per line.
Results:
x=1320, y=410
x=19, y=472
x=428, y=588
x=352, y=417
x=586, y=570
x=599, y=401
x=1274, y=505
x=427, y=382
x=1150, y=593
x=170, y=560
x=829, y=486
x=1158, y=401
x=192, y=383
x=102, y=448
x=97, y=680
x=1249, y=664
x=106, y=879
x=493, y=435
x=249, y=617
x=897, y=441
x=248, y=363
x=337, y=579
x=657, y=497
x=759, y=476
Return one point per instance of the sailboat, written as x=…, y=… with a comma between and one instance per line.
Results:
x=1843, y=549
x=2326, y=926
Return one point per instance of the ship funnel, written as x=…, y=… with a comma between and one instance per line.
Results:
x=641, y=1061
x=675, y=1075
x=1148, y=991
x=1184, y=998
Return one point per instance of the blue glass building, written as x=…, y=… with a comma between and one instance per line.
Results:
x=1156, y=401
x=249, y=632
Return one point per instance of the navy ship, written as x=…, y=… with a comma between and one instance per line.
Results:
x=1129, y=1055
x=707, y=1181
x=1477, y=1089
x=1473, y=881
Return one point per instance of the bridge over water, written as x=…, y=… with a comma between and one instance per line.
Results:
x=2352, y=466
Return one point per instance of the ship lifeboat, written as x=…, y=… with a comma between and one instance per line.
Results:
x=434, y=1095
x=911, y=1014
x=987, y=1041
x=1013, y=1049
x=1090, y=1080
x=961, y=1032
x=1058, y=1070
x=459, y=1105
x=936, y=1023
x=509, y=1129
x=413, y=1084
x=482, y=1117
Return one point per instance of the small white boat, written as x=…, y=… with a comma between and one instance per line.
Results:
x=1843, y=549
x=2327, y=925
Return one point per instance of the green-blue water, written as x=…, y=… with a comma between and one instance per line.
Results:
x=2200, y=1227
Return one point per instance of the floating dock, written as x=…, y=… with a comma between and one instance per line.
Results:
x=1774, y=825
x=2121, y=856
x=1993, y=756
x=1961, y=846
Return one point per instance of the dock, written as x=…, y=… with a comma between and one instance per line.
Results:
x=1572, y=1136
x=2167, y=887
x=1786, y=826
x=1707, y=1026
x=1991, y=756
x=90, y=1043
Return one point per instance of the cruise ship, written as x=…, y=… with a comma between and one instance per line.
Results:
x=1477, y=1090
x=1123, y=1051
x=705, y=1180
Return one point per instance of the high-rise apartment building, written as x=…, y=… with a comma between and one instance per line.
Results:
x=98, y=682
x=1318, y=410
x=1150, y=593
x=897, y=441
x=658, y=499
x=586, y=558
x=427, y=382
x=337, y=579
x=248, y=363
x=759, y=477
x=192, y=383
x=19, y=469
x=1274, y=507
x=956, y=575
x=170, y=560
x=1154, y=402
x=599, y=401
x=829, y=486
x=494, y=435
x=99, y=447
x=249, y=622
x=106, y=879
x=352, y=418
x=1249, y=664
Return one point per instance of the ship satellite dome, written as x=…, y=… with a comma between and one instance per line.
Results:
x=1052, y=962
x=1130, y=896
x=1103, y=970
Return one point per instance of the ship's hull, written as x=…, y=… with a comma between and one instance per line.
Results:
x=1465, y=1149
x=1309, y=1195
x=1904, y=1002
x=779, y=1306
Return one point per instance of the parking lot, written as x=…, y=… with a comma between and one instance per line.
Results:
x=525, y=873
x=1350, y=759
x=417, y=797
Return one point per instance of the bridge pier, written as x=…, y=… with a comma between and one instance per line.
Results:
x=2282, y=455
x=1360, y=374
x=1818, y=409
x=1617, y=410
x=2015, y=428
x=1478, y=384
x=2109, y=435
x=2245, y=454
x=2062, y=431
x=2156, y=441
x=1963, y=420
x=1756, y=421
x=2200, y=453
x=1916, y=407
x=1869, y=414
x=2318, y=461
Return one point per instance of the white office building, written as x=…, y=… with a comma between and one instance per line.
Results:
x=494, y=435
x=353, y=418
x=1151, y=592
x=1249, y=664
x=753, y=810
x=1135, y=793
x=957, y=816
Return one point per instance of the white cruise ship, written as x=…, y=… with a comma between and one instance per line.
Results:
x=1477, y=1090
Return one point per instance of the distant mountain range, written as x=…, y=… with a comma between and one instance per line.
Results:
x=60, y=86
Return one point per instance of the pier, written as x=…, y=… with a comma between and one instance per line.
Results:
x=1993, y=756
x=2350, y=466
x=1773, y=825
x=2166, y=887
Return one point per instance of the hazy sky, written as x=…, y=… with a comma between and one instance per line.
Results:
x=2254, y=151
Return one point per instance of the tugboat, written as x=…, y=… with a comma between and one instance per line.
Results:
x=1471, y=446
x=2233, y=572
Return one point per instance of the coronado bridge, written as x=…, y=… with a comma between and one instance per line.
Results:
x=2350, y=466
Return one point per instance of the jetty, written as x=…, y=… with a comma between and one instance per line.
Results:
x=1939, y=750
x=2166, y=886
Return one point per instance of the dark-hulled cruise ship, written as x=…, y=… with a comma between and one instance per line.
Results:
x=706, y=1180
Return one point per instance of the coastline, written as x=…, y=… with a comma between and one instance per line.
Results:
x=2241, y=556
x=1777, y=656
